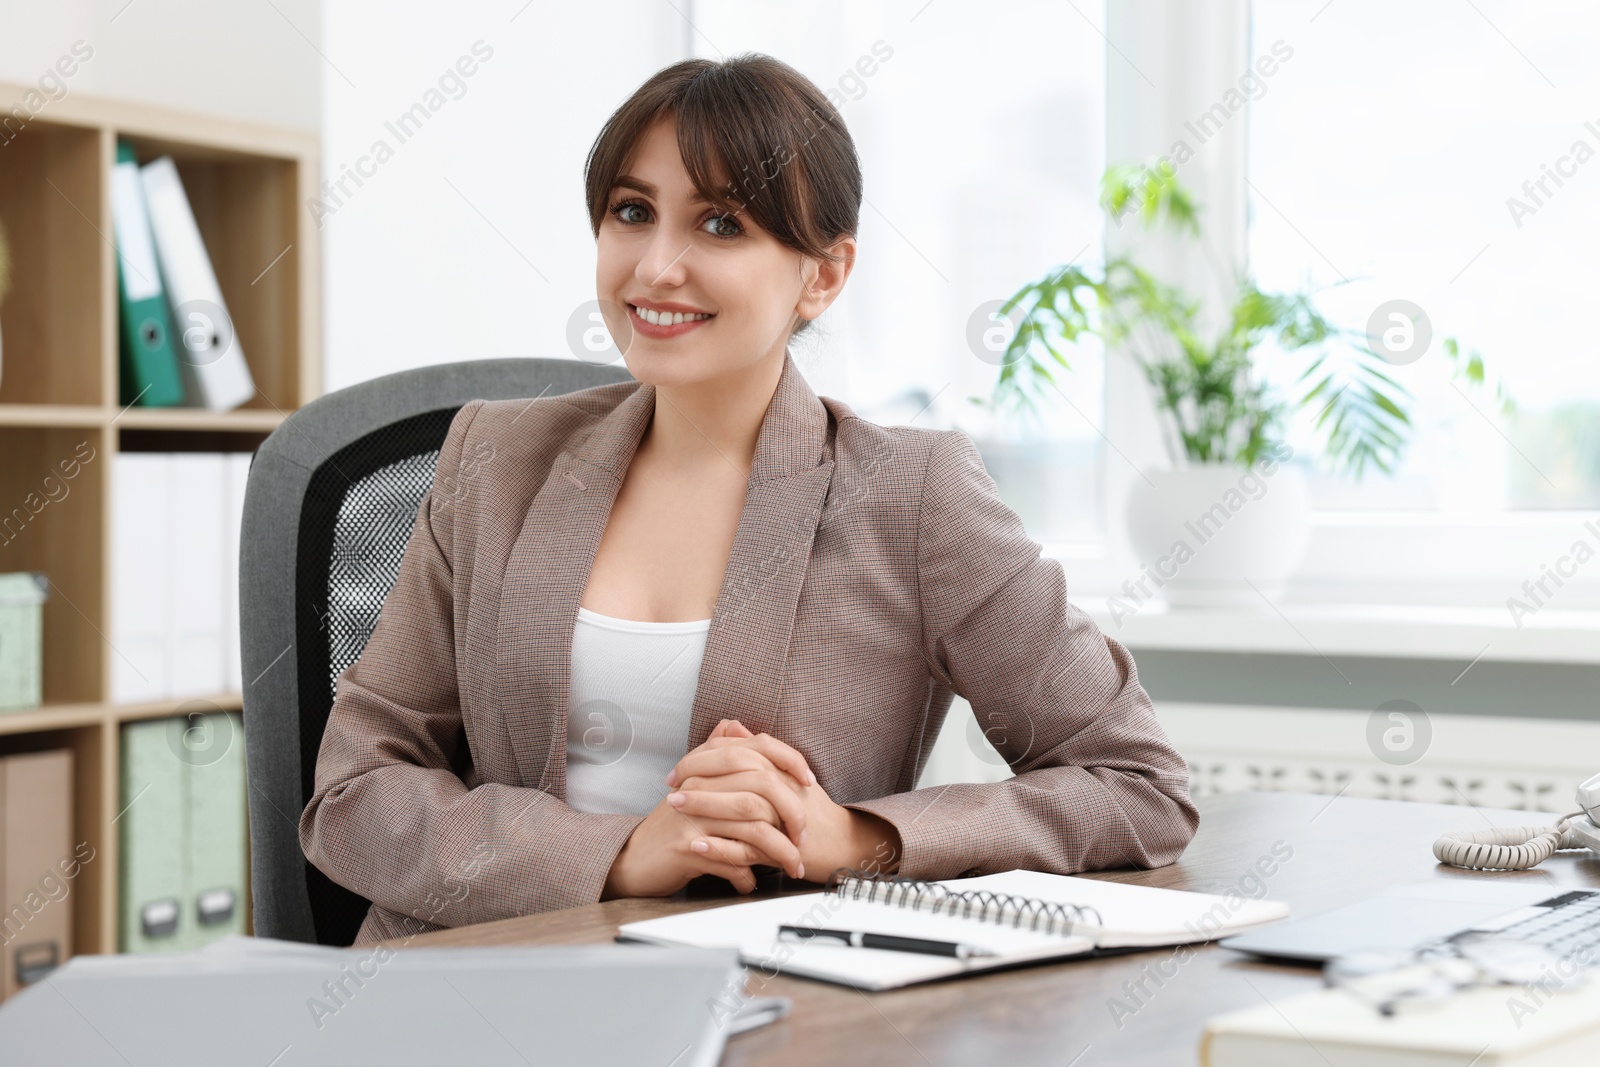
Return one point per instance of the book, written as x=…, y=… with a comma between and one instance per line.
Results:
x=210, y=357
x=149, y=365
x=1020, y=916
x=1550, y=1023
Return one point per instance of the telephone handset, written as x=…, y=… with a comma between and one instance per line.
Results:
x=1515, y=848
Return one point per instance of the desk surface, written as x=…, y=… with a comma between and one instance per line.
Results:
x=1061, y=1014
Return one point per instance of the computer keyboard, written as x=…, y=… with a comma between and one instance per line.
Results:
x=1568, y=925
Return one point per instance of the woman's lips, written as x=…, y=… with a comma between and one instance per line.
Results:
x=661, y=332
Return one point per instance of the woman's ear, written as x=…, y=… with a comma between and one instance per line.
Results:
x=823, y=279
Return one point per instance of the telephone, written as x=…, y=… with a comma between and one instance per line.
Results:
x=1516, y=848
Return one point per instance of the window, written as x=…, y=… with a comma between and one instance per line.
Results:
x=1447, y=154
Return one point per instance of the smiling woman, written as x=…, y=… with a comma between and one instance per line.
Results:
x=745, y=168
x=705, y=621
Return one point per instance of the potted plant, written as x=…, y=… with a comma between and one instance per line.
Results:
x=1229, y=521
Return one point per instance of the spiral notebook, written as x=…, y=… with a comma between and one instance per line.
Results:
x=1021, y=916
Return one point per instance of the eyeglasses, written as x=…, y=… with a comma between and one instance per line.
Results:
x=1385, y=978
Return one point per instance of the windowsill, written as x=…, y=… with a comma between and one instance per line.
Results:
x=1401, y=631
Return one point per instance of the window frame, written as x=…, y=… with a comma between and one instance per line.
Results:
x=1399, y=557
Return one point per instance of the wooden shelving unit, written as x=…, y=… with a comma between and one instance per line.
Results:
x=248, y=185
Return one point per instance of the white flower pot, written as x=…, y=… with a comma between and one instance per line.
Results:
x=1206, y=534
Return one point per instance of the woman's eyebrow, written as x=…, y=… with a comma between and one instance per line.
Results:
x=628, y=181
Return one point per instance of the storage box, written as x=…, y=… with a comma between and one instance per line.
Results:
x=22, y=599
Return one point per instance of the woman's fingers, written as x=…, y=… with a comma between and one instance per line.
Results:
x=771, y=847
x=722, y=738
x=728, y=850
x=717, y=757
x=782, y=756
x=731, y=756
x=714, y=803
x=700, y=794
x=706, y=858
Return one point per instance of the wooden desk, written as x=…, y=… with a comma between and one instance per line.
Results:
x=1061, y=1014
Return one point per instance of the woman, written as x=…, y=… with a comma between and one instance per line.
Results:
x=706, y=621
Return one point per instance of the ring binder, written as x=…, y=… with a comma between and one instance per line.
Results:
x=1004, y=909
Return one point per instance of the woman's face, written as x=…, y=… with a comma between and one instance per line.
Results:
x=661, y=249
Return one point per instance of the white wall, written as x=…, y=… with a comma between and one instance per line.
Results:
x=240, y=59
x=472, y=241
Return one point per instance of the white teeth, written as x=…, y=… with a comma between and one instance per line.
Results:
x=667, y=318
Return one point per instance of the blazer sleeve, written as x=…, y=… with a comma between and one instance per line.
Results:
x=391, y=816
x=1097, y=782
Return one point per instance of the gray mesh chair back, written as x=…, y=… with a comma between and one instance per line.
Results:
x=330, y=502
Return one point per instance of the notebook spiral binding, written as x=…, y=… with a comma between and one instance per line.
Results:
x=1004, y=908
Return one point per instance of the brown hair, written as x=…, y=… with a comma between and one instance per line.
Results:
x=756, y=136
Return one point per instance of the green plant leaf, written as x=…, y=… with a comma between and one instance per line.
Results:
x=1213, y=398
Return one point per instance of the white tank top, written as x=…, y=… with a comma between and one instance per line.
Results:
x=632, y=690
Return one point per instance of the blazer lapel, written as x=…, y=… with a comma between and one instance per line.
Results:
x=747, y=645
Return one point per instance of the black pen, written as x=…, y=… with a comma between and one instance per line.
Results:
x=862, y=939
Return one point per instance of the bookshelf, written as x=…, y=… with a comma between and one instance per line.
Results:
x=247, y=184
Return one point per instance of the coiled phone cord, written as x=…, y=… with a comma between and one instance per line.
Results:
x=1509, y=848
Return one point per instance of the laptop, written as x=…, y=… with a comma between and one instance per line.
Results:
x=254, y=1001
x=1427, y=917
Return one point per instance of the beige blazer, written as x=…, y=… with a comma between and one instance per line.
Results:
x=875, y=572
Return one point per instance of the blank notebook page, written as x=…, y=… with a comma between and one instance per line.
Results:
x=1137, y=914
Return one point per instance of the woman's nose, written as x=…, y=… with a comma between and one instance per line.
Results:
x=664, y=259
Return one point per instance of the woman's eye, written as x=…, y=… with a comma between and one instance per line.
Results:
x=620, y=211
x=724, y=226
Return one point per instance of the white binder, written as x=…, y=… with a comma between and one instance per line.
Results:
x=195, y=574
x=175, y=527
x=238, y=465
x=141, y=278
x=215, y=374
x=141, y=507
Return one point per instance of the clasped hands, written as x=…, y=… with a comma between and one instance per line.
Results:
x=741, y=800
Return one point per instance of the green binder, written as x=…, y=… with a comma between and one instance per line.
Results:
x=152, y=839
x=148, y=361
x=218, y=864
x=184, y=832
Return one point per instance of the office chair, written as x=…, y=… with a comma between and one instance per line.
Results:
x=330, y=502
